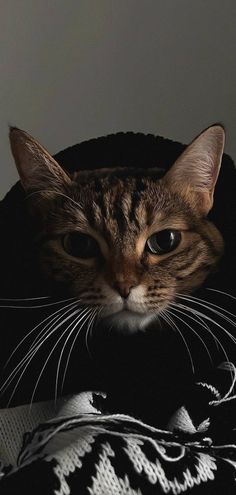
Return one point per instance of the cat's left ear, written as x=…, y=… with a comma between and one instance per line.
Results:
x=195, y=172
x=37, y=168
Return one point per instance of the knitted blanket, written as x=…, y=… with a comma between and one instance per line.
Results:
x=74, y=448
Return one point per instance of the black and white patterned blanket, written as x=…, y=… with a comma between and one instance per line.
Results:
x=84, y=451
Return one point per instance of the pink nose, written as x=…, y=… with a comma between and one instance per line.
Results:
x=123, y=288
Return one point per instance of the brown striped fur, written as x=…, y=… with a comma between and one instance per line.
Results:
x=121, y=209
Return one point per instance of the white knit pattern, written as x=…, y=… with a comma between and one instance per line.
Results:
x=16, y=421
x=111, y=454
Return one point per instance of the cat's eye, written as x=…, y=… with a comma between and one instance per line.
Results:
x=80, y=245
x=163, y=242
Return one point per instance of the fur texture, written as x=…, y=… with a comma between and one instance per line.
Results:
x=121, y=209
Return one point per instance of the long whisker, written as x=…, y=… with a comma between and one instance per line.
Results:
x=196, y=313
x=90, y=326
x=210, y=306
x=70, y=352
x=215, y=323
x=221, y=292
x=167, y=313
x=97, y=315
x=45, y=364
x=162, y=316
x=196, y=318
x=194, y=331
x=38, y=306
x=34, y=352
x=75, y=323
x=30, y=354
x=34, y=329
x=46, y=329
x=24, y=298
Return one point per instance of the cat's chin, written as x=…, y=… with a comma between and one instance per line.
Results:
x=126, y=321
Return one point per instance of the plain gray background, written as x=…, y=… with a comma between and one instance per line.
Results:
x=76, y=69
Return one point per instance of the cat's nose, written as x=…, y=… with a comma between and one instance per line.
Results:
x=123, y=288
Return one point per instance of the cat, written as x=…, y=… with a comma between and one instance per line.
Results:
x=128, y=246
x=125, y=242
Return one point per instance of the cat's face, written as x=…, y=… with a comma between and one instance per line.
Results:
x=124, y=240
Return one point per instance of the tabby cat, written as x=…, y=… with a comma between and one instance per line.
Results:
x=124, y=241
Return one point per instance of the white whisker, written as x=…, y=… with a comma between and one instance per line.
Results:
x=29, y=356
x=11, y=306
x=90, y=326
x=46, y=329
x=214, y=322
x=167, y=313
x=210, y=306
x=197, y=319
x=45, y=364
x=24, y=298
x=196, y=313
x=221, y=292
x=194, y=331
x=71, y=349
x=34, y=329
x=75, y=323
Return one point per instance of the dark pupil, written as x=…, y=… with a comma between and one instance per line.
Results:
x=80, y=245
x=163, y=242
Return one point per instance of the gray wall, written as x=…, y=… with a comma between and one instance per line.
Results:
x=75, y=69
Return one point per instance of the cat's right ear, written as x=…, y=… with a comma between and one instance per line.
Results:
x=195, y=172
x=37, y=169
